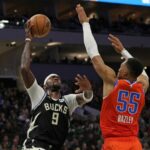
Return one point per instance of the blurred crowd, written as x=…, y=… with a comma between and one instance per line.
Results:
x=100, y=24
x=47, y=60
x=84, y=133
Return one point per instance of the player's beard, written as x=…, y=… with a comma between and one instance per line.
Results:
x=54, y=87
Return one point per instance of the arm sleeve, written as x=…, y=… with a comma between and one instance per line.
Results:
x=89, y=41
x=126, y=54
x=36, y=94
x=71, y=102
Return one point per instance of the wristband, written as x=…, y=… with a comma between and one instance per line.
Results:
x=27, y=39
x=126, y=54
x=90, y=95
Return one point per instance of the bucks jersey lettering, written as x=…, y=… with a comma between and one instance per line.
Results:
x=56, y=107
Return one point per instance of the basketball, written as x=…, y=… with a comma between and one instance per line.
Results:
x=41, y=25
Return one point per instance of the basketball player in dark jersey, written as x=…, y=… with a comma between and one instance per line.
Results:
x=50, y=110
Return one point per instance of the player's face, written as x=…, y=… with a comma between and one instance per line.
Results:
x=123, y=71
x=54, y=82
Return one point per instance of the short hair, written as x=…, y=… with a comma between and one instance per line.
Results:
x=135, y=67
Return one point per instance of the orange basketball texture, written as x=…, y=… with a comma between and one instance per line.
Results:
x=41, y=25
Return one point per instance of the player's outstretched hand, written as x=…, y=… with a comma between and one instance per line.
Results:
x=81, y=14
x=116, y=43
x=28, y=27
x=83, y=83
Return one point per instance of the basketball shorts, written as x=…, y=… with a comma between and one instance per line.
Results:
x=122, y=143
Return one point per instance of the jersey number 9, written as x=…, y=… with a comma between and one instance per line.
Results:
x=55, y=118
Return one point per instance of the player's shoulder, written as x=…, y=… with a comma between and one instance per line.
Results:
x=69, y=96
x=138, y=85
x=118, y=82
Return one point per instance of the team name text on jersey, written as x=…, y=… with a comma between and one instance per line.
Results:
x=56, y=107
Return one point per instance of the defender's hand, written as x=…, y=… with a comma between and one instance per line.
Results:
x=116, y=43
x=81, y=14
x=83, y=83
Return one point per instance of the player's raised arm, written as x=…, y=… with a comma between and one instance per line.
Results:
x=27, y=75
x=118, y=46
x=106, y=73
